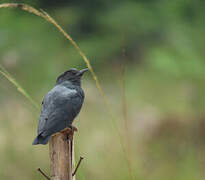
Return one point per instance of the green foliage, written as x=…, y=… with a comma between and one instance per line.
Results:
x=164, y=83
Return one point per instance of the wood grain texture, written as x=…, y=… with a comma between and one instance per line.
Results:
x=61, y=152
x=73, y=159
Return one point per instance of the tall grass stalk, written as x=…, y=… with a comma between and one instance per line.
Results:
x=47, y=17
x=124, y=106
x=6, y=74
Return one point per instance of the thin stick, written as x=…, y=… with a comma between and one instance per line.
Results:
x=43, y=174
x=124, y=109
x=79, y=162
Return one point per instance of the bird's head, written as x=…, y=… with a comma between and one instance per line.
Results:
x=72, y=75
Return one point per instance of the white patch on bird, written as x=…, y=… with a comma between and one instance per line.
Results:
x=69, y=91
x=63, y=91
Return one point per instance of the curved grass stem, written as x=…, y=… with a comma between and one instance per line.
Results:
x=18, y=87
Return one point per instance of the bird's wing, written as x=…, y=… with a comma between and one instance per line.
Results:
x=60, y=106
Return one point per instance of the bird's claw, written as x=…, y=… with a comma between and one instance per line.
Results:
x=69, y=131
x=73, y=128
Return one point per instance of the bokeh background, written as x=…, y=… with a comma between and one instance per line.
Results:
x=159, y=44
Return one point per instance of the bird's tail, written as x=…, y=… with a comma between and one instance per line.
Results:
x=41, y=140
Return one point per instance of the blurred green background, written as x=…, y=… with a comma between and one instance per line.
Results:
x=164, y=86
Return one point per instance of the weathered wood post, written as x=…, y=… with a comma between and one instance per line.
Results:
x=61, y=156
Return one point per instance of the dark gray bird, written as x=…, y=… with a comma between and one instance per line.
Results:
x=60, y=105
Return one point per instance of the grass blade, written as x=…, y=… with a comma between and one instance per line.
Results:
x=18, y=87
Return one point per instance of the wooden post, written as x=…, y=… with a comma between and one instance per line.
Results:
x=61, y=156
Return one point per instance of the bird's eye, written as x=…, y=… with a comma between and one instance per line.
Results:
x=73, y=72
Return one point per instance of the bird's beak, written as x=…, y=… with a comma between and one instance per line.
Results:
x=81, y=72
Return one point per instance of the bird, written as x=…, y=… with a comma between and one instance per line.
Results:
x=60, y=105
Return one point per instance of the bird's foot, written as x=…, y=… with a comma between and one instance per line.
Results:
x=72, y=130
x=65, y=131
x=69, y=132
